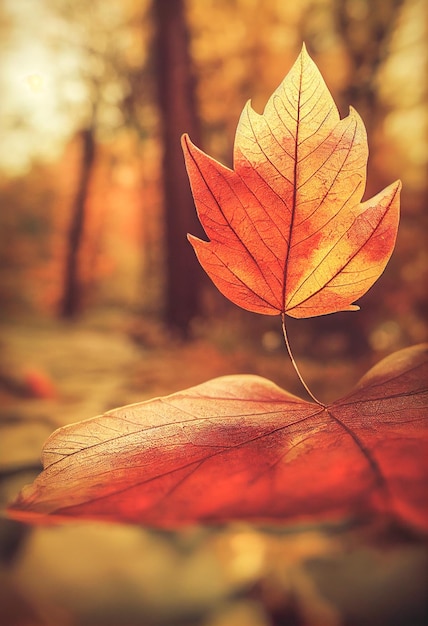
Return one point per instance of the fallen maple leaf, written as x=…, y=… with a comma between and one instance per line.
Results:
x=241, y=448
x=286, y=228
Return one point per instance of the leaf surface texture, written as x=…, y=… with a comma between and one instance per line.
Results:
x=241, y=448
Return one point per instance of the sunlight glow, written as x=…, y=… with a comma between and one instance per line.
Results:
x=43, y=94
x=35, y=83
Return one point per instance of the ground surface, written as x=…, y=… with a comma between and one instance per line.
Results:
x=93, y=574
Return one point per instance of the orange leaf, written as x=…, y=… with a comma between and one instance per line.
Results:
x=239, y=447
x=287, y=231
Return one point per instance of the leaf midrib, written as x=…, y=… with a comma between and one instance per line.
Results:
x=294, y=201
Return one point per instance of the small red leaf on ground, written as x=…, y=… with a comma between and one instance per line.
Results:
x=39, y=385
x=287, y=230
x=241, y=448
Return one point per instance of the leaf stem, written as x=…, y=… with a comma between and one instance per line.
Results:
x=287, y=343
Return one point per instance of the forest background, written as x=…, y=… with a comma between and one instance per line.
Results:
x=102, y=300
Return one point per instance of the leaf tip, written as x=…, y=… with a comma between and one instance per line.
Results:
x=185, y=140
x=304, y=54
x=191, y=238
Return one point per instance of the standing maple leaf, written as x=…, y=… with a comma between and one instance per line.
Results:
x=288, y=234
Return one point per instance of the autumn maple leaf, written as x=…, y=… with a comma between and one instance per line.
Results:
x=241, y=448
x=287, y=232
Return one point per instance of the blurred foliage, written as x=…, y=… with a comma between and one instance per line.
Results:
x=75, y=65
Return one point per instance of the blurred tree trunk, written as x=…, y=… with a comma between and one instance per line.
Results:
x=178, y=109
x=71, y=297
x=366, y=27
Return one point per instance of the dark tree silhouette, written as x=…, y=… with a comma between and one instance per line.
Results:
x=178, y=110
x=71, y=298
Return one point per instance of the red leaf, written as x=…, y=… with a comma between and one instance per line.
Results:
x=287, y=231
x=239, y=447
